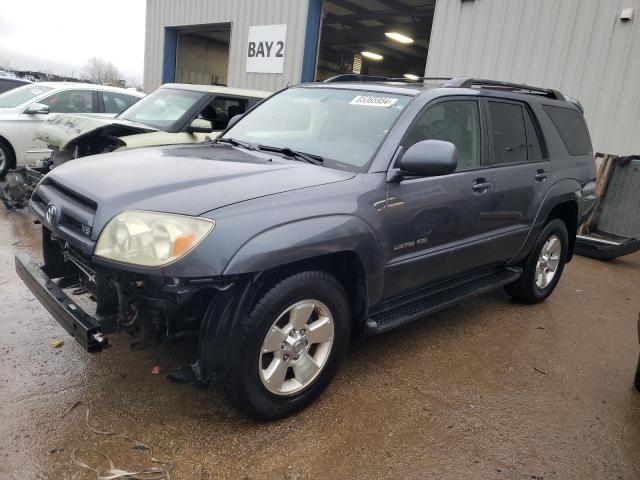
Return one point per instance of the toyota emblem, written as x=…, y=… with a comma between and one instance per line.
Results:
x=50, y=216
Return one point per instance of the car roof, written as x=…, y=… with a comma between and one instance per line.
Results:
x=88, y=86
x=218, y=89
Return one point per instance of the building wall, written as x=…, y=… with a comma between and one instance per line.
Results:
x=242, y=14
x=579, y=47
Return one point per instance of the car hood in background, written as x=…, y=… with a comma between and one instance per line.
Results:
x=188, y=180
x=63, y=129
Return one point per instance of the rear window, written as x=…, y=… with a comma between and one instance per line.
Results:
x=572, y=129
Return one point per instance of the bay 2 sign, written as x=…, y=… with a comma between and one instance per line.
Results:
x=265, y=50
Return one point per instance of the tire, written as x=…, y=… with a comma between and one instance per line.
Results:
x=636, y=380
x=253, y=384
x=531, y=287
x=7, y=158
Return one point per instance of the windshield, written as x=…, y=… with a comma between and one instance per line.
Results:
x=163, y=108
x=345, y=127
x=19, y=95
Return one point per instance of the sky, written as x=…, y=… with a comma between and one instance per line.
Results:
x=61, y=35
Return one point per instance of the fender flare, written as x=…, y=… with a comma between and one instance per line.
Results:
x=312, y=238
x=566, y=190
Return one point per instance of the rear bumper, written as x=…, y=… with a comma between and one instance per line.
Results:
x=78, y=323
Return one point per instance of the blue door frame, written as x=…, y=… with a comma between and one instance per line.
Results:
x=170, y=52
x=311, y=39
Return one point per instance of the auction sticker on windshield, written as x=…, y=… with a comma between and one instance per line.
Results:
x=373, y=101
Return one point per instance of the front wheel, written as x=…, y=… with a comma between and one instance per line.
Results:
x=636, y=380
x=294, y=340
x=543, y=266
x=7, y=159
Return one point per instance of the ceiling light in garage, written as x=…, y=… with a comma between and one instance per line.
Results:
x=411, y=76
x=372, y=56
x=398, y=37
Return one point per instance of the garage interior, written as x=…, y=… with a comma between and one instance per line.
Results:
x=374, y=37
x=202, y=54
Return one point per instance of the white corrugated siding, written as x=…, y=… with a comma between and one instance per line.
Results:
x=579, y=47
x=242, y=14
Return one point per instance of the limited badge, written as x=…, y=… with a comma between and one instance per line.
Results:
x=373, y=101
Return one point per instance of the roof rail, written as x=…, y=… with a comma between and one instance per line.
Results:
x=469, y=82
x=356, y=77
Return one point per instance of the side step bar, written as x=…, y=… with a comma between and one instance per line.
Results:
x=605, y=248
x=424, y=302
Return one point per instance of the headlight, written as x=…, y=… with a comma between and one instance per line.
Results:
x=151, y=239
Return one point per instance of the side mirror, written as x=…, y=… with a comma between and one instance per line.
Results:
x=199, y=125
x=37, y=109
x=430, y=158
x=234, y=120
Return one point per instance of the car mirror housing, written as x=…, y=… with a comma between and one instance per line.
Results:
x=37, y=109
x=200, y=125
x=430, y=158
x=234, y=120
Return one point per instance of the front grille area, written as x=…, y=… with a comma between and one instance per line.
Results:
x=67, y=214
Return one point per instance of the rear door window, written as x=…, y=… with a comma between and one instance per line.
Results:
x=508, y=133
x=572, y=128
x=117, y=102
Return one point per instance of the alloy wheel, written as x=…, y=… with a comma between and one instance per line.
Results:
x=548, y=261
x=296, y=347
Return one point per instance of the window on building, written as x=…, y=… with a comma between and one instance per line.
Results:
x=70, y=101
x=572, y=128
x=117, y=102
x=455, y=121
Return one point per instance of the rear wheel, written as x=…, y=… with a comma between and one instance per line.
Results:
x=7, y=159
x=294, y=341
x=543, y=266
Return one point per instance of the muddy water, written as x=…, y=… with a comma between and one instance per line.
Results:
x=487, y=389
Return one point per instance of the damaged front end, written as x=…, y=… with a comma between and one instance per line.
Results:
x=18, y=185
x=93, y=301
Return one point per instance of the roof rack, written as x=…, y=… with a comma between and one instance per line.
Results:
x=469, y=82
x=457, y=82
x=356, y=77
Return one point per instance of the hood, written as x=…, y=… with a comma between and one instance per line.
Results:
x=188, y=180
x=62, y=130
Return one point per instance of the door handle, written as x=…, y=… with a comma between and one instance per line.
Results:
x=481, y=186
x=541, y=176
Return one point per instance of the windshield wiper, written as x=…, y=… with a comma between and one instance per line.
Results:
x=235, y=143
x=307, y=157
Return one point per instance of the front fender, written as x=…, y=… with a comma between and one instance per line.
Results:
x=312, y=238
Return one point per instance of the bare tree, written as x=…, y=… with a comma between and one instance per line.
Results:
x=99, y=71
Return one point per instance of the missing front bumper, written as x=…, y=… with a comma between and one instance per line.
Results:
x=79, y=324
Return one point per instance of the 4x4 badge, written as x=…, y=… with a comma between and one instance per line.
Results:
x=50, y=216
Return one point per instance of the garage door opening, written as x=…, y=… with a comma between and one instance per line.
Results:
x=374, y=37
x=202, y=54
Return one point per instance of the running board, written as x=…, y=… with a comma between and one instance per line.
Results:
x=413, y=306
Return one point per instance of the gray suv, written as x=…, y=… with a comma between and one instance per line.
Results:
x=328, y=211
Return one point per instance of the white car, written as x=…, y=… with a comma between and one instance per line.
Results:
x=24, y=108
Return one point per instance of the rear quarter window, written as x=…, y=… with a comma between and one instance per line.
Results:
x=572, y=128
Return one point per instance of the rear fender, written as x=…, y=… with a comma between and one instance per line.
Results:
x=567, y=190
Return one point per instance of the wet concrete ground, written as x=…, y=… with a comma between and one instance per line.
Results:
x=487, y=389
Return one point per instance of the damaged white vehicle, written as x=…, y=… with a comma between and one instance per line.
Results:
x=172, y=114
